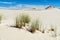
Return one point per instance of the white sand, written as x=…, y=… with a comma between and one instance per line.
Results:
x=47, y=17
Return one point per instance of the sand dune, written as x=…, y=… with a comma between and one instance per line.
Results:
x=47, y=17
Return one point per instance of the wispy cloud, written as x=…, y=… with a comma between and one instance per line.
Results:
x=6, y=2
x=22, y=6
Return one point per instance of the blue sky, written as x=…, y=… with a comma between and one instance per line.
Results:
x=16, y=4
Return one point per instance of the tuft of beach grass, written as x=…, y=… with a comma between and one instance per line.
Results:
x=22, y=20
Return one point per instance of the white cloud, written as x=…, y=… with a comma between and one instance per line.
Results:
x=6, y=2
x=22, y=6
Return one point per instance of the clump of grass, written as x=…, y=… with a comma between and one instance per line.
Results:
x=34, y=26
x=0, y=18
x=18, y=23
x=43, y=31
x=21, y=20
x=32, y=30
x=25, y=19
x=39, y=26
x=53, y=28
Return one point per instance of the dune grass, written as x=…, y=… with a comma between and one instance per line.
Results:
x=0, y=18
x=53, y=28
x=25, y=19
x=34, y=26
x=21, y=20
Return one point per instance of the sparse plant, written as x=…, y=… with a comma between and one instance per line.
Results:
x=18, y=24
x=34, y=26
x=0, y=18
x=33, y=29
x=53, y=28
x=43, y=31
x=21, y=20
x=37, y=24
x=25, y=19
x=40, y=26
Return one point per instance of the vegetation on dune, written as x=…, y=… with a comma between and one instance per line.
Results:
x=34, y=26
x=32, y=30
x=53, y=28
x=21, y=20
x=42, y=30
x=0, y=18
x=37, y=24
x=25, y=19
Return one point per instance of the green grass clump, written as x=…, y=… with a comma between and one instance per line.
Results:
x=25, y=19
x=21, y=20
x=34, y=26
x=0, y=18
x=53, y=28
